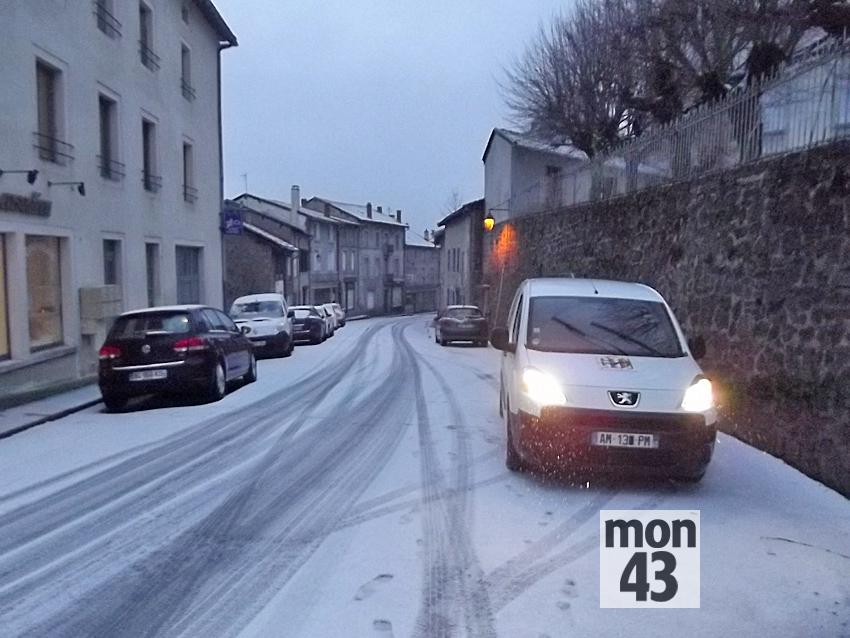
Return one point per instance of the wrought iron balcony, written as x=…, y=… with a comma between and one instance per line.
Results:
x=188, y=90
x=110, y=169
x=190, y=194
x=52, y=149
x=149, y=58
x=151, y=182
x=106, y=22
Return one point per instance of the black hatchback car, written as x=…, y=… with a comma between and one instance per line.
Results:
x=183, y=349
x=461, y=323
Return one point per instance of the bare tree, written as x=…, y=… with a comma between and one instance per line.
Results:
x=569, y=85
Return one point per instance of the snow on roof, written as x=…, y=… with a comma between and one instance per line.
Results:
x=524, y=140
x=359, y=211
x=268, y=236
x=176, y=308
x=260, y=296
x=216, y=21
x=416, y=240
x=572, y=287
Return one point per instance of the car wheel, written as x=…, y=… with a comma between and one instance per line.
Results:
x=501, y=400
x=217, y=383
x=114, y=402
x=290, y=346
x=251, y=375
x=513, y=461
x=693, y=478
x=436, y=338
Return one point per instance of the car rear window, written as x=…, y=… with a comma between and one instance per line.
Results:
x=596, y=325
x=151, y=323
x=252, y=309
x=303, y=313
x=462, y=313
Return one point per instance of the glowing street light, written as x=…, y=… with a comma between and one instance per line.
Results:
x=489, y=222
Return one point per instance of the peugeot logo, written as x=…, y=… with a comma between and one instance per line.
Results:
x=146, y=349
x=624, y=398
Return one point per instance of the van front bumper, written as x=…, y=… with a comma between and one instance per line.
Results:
x=562, y=438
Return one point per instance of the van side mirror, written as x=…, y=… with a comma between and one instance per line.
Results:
x=290, y=313
x=499, y=340
x=697, y=347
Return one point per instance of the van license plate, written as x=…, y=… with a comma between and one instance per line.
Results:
x=148, y=375
x=259, y=344
x=625, y=439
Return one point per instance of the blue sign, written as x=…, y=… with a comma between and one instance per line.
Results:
x=231, y=221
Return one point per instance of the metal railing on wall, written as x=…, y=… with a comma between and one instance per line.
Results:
x=804, y=104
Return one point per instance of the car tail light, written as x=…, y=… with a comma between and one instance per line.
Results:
x=109, y=353
x=190, y=345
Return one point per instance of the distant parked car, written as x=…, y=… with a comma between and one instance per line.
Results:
x=340, y=314
x=329, y=308
x=265, y=320
x=309, y=324
x=192, y=349
x=461, y=323
x=330, y=320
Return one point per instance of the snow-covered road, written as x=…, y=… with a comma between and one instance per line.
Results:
x=359, y=489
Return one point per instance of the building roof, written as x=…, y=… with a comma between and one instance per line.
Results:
x=572, y=287
x=268, y=236
x=469, y=207
x=415, y=240
x=359, y=211
x=212, y=15
x=306, y=212
x=280, y=220
x=531, y=143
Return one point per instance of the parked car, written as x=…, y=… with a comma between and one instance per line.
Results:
x=340, y=314
x=461, y=323
x=184, y=349
x=330, y=320
x=599, y=374
x=329, y=308
x=309, y=324
x=264, y=319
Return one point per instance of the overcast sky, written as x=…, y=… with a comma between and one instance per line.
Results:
x=388, y=101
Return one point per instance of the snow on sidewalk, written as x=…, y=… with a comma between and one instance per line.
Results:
x=21, y=416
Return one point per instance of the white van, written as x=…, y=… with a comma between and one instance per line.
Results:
x=266, y=320
x=598, y=374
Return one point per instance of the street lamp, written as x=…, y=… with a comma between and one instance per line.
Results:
x=489, y=222
x=32, y=174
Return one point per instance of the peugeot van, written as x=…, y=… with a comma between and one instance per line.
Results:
x=598, y=375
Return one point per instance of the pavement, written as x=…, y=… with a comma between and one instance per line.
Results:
x=28, y=415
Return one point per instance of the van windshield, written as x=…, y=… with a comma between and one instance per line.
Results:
x=598, y=325
x=251, y=309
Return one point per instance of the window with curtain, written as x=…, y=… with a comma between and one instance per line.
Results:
x=44, y=291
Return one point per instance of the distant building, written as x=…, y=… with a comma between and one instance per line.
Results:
x=461, y=255
x=421, y=272
x=374, y=281
x=524, y=176
x=111, y=110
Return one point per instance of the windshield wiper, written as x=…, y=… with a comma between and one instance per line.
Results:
x=585, y=336
x=626, y=337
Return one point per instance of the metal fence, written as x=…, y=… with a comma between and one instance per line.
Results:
x=805, y=104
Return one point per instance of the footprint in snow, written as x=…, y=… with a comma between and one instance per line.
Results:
x=382, y=626
x=367, y=589
x=569, y=589
x=563, y=605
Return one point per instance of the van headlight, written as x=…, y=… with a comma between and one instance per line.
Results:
x=542, y=388
x=698, y=397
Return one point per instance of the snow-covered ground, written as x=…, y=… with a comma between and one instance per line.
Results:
x=359, y=489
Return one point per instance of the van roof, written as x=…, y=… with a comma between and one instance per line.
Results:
x=263, y=296
x=570, y=287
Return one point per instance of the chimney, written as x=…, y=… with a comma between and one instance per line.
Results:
x=294, y=204
x=427, y=235
x=398, y=215
x=380, y=210
x=369, y=210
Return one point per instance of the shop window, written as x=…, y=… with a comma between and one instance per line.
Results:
x=44, y=291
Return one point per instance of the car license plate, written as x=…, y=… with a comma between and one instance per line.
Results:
x=625, y=439
x=259, y=343
x=148, y=375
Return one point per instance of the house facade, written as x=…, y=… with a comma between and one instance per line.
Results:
x=375, y=277
x=421, y=273
x=460, y=255
x=116, y=205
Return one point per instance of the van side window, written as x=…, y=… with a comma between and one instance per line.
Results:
x=517, y=319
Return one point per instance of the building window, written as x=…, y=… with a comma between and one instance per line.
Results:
x=44, y=291
x=186, y=73
x=110, y=168
x=106, y=21
x=4, y=309
x=150, y=179
x=152, y=273
x=111, y=262
x=49, y=99
x=304, y=262
x=148, y=57
x=190, y=193
x=188, y=274
x=184, y=13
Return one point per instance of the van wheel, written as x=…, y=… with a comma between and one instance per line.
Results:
x=288, y=346
x=513, y=461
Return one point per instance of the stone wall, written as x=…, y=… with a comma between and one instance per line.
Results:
x=757, y=260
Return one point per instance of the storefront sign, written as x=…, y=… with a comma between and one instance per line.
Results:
x=12, y=203
x=231, y=221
